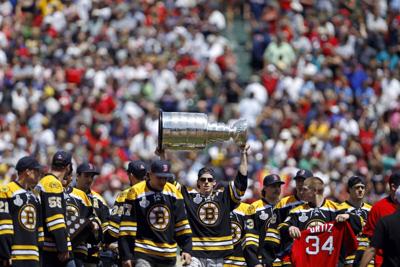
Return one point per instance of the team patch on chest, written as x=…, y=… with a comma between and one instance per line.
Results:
x=209, y=213
x=159, y=217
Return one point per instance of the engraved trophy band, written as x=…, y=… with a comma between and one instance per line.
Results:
x=193, y=131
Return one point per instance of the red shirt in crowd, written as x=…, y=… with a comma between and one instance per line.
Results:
x=381, y=208
x=321, y=245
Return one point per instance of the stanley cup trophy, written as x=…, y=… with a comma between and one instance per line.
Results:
x=193, y=131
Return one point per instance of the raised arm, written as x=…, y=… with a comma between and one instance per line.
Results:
x=244, y=152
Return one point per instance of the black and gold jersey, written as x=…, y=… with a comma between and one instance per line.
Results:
x=239, y=218
x=112, y=230
x=101, y=210
x=154, y=223
x=21, y=230
x=56, y=238
x=363, y=243
x=264, y=217
x=306, y=216
x=78, y=216
x=282, y=209
x=286, y=204
x=209, y=217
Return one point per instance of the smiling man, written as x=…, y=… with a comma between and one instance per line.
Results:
x=209, y=210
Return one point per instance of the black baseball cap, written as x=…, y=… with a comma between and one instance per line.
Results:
x=137, y=168
x=87, y=168
x=27, y=163
x=272, y=179
x=302, y=173
x=355, y=179
x=395, y=178
x=61, y=159
x=161, y=168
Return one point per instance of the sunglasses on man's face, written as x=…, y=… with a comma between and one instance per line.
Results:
x=204, y=179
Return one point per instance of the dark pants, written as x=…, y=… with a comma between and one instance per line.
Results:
x=50, y=259
x=25, y=264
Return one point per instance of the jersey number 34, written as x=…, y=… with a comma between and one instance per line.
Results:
x=314, y=245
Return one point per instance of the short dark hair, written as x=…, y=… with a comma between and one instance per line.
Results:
x=395, y=178
x=205, y=170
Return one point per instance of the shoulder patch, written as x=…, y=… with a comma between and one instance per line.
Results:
x=50, y=184
x=55, y=185
x=4, y=189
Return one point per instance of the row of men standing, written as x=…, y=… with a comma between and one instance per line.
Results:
x=44, y=221
x=47, y=222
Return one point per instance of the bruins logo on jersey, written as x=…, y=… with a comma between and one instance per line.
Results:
x=159, y=217
x=236, y=232
x=27, y=217
x=208, y=213
x=314, y=223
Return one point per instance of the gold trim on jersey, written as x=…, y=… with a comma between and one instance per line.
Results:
x=182, y=227
x=287, y=202
x=158, y=249
x=232, y=261
x=251, y=239
x=212, y=243
x=99, y=197
x=127, y=228
x=6, y=227
x=50, y=245
x=25, y=252
x=122, y=196
x=50, y=184
x=243, y=209
x=113, y=228
x=40, y=234
x=273, y=236
x=328, y=205
x=140, y=190
x=55, y=222
x=79, y=194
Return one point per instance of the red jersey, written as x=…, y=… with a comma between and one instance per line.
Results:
x=381, y=208
x=321, y=245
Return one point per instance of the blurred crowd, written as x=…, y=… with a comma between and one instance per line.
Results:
x=89, y=76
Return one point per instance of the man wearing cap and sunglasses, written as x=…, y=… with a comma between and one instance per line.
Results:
x=262, y=240
x=57, y=246
x=356, y=205
x=86, y=173
x=20, y=224
x=137, y=172
x=154, y=222
x=209, y=211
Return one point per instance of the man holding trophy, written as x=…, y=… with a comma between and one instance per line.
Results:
x=208, y=208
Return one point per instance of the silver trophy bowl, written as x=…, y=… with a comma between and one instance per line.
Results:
x=194, y=131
